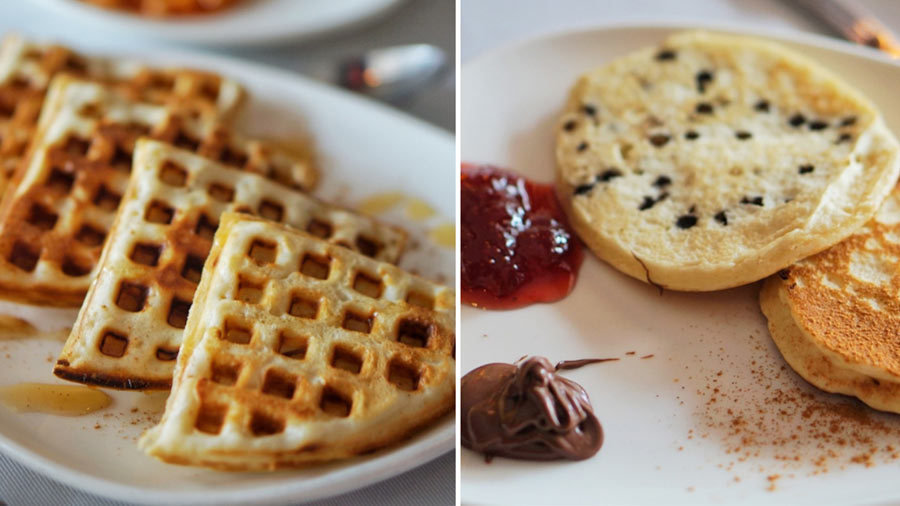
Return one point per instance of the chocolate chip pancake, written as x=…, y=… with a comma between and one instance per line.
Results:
x=713, y=161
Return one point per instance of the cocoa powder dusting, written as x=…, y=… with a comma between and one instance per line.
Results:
x=787, y=428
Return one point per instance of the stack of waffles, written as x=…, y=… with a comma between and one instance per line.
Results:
x=201, y=263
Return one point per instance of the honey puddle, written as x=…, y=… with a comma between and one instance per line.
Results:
x=379, y=203
x=419, y=210
x=67, y=400
x=17, y=328
x=416, y=210
x=444, y=235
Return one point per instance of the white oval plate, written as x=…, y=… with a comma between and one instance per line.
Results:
x=667, y=439
x=249, y=22
x=363, y=148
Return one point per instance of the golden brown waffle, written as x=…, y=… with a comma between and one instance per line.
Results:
x=54, y=219
x=129, y=329
x=26, y=69
x=335, y=355
x=164, y=7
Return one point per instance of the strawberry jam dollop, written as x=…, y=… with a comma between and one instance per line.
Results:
x=517, y=247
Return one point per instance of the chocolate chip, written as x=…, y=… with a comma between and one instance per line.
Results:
x=583, y=188
x=704, y=77
x=589, y=110
x=662, y=181
x=659, y=140
x=721, y=218
x=570, y=125
x=805, y=169
x=743, y=135
x=691, y=135
x=784, y=274
x=797, y=120
x=762, y=106
x=704, y=108
x=581, y=147
x=756, y=201
x=692, y=210
x=686, y=221
x=609, y=174
x=649, y=202
x=843, y=138
x=849, y=120
x=818, y=125
x=665, y=55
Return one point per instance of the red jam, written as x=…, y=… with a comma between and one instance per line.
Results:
x=517, y=247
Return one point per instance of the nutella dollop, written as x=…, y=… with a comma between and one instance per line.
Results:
x=526, y=411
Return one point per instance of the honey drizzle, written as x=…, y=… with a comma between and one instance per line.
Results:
x=419, y=210
x=416, y=209
x=380, y=203
x=65, y=400
x=444, y=235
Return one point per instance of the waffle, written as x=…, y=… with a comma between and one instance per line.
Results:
x=154, y=257
x=325, y=363
x=26, y=69
x=54, y=221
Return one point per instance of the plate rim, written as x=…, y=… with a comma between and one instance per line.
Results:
x=183, y=31
x=428, y=444
x=273, y=493
x=777, y=33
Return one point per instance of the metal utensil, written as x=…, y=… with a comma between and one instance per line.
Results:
x=393, y=74
x=854, y=22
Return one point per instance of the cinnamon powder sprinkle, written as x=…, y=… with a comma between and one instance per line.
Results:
x=769, y=421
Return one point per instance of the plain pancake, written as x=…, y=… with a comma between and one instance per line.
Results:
x=835, y=316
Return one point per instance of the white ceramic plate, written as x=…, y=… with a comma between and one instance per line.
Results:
x=714, y=416
x=250, y=22
x=364, y=149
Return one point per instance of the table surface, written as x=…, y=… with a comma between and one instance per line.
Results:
x=414, y=21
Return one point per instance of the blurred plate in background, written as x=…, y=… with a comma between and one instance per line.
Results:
x=247, y=23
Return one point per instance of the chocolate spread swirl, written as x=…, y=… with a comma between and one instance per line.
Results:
x=527, y=411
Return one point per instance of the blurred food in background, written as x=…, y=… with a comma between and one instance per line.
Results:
x=161, y=8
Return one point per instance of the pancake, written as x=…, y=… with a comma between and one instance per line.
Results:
x=713, y=161
x=835, y=316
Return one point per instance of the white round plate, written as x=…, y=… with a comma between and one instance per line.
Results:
x=249, y=22
x=363, y=149
x=715, y=415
